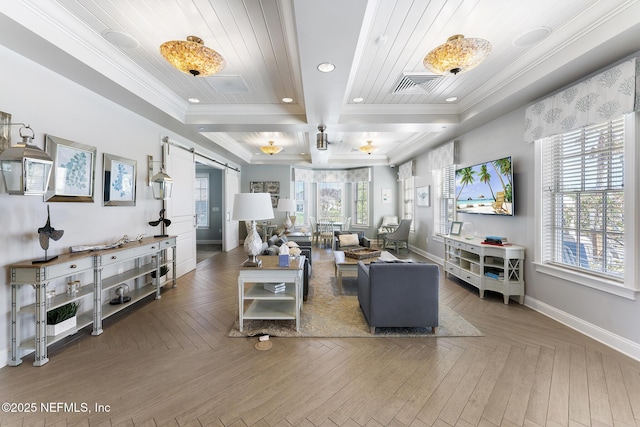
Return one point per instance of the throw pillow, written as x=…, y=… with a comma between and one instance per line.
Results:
x=349, y=240
x=292, y=244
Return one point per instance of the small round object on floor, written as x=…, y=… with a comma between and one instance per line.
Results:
x=263, y=345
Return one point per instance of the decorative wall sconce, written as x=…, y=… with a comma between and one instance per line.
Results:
x=161, y=183
x=26, y=168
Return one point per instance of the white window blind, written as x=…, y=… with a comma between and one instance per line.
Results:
x=583, y=199
x=445, y=199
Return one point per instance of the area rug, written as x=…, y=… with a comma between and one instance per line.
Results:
x=331, y=312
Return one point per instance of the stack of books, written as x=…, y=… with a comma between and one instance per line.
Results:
x=276, y=288
x=495, y=240
x=498, y=275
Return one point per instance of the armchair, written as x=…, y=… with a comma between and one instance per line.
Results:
x=400, y=236
x=343, y=240
x=401, y=294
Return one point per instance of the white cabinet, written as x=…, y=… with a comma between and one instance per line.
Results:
x=134, y=264
x=487, y=267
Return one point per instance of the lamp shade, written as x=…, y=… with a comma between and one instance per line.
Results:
x=252, y=206
x=286, y=205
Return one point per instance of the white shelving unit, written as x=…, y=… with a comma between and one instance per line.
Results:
x=263, y=304
x=141, y=259
x=487, y=267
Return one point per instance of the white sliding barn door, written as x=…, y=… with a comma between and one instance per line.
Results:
x=231, y=237
x=180, y=165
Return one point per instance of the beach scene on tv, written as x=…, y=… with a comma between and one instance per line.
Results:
x=486, y=188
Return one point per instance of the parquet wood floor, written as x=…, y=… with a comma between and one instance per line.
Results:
x=170, y=363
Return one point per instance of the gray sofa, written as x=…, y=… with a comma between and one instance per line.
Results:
x=399, y=294
x=272, y=247
x=363, y=241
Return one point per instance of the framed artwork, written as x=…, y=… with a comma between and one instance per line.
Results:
x=257, y=186
x=455, y=228
x=119, y=181
x=274, y=200
x=423, y=196
x=5, y=131
x=272, y=187
x=73, y=172
x=386, y=195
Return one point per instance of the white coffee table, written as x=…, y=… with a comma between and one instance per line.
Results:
x=344, y=264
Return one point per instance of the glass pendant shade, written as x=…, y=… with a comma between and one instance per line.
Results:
x=162, y=186
x=457, y=55
x=26, y=169
x=321, y=141
x=368, y=148
x=191, y=56
x=271, y=149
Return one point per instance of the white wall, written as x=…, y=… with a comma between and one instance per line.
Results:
x=608, y=318
x=51, y=104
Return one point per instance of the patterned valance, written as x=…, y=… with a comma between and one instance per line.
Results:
x=443, y=156
x=406, y=170
x=304, y=175
x=606, y=95
x=332, y=175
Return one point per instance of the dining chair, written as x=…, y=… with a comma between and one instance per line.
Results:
x=326, y=232
x=313, y=226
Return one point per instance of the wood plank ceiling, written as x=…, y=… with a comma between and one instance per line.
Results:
x=272, y=49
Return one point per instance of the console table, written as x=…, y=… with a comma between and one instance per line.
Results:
x=267, y=305
x=132, y=263
x=487, y=267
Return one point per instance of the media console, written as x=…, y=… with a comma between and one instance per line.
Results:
x=487, y=267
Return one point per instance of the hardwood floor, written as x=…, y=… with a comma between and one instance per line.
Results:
x=170, y=363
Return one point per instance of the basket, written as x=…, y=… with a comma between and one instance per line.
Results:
x=362, y=253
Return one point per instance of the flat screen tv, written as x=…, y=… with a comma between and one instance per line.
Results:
x=485, y=188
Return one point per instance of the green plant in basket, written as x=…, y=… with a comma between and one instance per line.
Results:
x=60, y=314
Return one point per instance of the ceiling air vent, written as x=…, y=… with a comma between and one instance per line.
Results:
x=415, y=83
x=230, y=83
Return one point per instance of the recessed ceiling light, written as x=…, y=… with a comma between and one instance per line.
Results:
x=326, y=67
x=531, y=37
x=358, y=99
x=452, y=99
x=287, y=100
x=193, y=100
x=120, y=39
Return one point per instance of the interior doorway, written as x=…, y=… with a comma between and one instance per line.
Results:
x=209, y=191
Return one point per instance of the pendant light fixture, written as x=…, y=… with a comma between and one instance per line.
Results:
x=192, y=56
x=368, y=148
x=26, y=168
x=457, y=55
x=271, y=149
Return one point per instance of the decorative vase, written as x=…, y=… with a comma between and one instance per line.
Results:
x=468, y=231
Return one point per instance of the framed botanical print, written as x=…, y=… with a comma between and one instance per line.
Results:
x=423, y=196
x=73, y=172
x=119, y=181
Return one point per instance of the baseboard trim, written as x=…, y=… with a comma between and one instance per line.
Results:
x=616, y=342
x=4, y=358
x=427, y=255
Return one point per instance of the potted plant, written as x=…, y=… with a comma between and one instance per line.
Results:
x=62, y=318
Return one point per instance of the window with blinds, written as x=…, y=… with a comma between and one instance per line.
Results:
x=361, y=203
x=583, y=199
x=445, y=199
x=408, y=205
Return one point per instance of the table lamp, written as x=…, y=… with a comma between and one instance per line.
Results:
x=252, y=207
x=287, y=205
